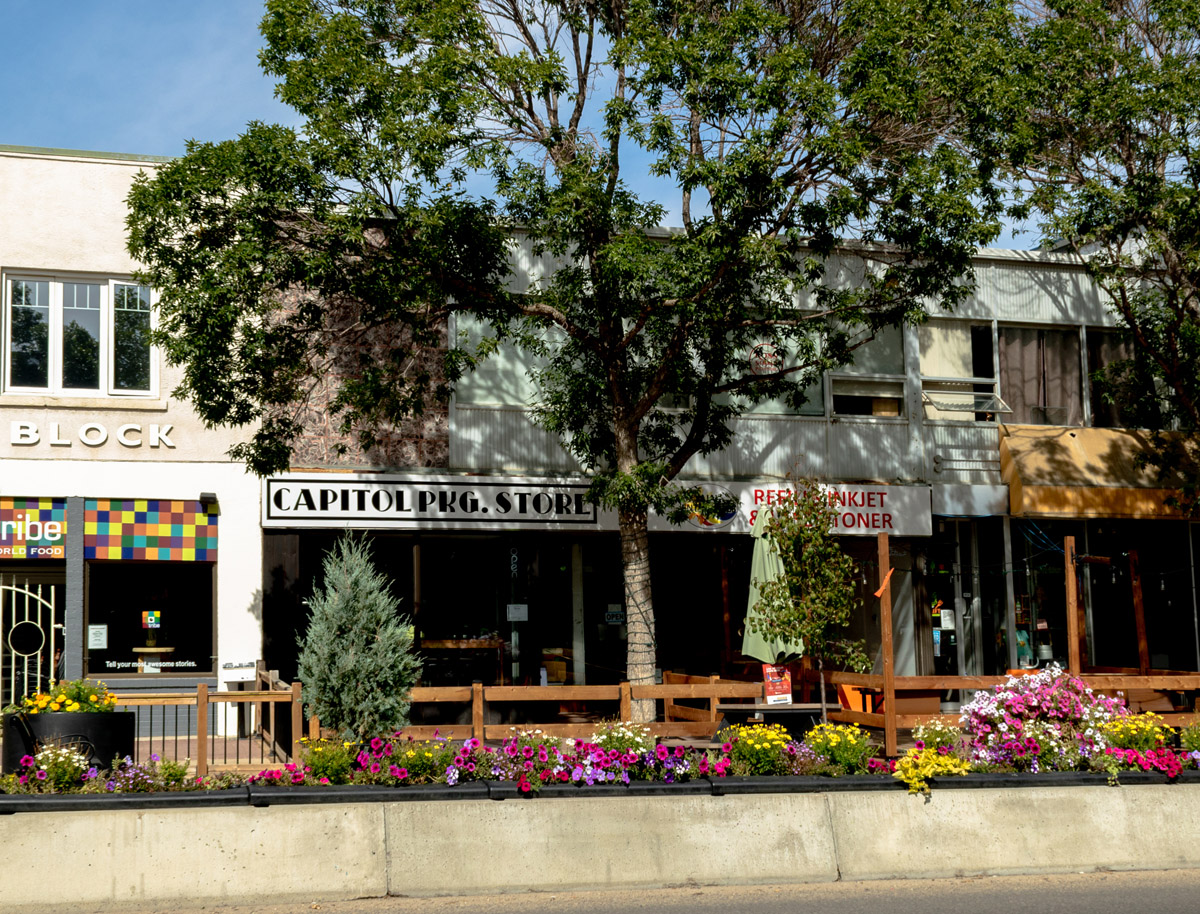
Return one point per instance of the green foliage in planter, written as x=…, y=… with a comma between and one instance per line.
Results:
x=919, y=765
x=1189, y=738
x=328, y=760
x=356, y=660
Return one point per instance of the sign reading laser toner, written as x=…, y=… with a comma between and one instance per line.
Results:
x=453, y=502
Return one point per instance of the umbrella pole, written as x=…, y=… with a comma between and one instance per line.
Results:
x=890, y=744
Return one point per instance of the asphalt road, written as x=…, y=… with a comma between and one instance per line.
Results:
x=1163, y=892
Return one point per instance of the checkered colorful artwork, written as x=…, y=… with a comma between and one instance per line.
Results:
x=33, y=528
x=165, y=531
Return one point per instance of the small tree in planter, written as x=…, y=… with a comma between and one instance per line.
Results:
x=357, y=662
x=811, y=601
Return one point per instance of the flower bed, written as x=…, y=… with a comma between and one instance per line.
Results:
x=1032, y=725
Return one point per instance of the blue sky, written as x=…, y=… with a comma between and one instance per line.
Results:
x=145, y=76
x=132, y=76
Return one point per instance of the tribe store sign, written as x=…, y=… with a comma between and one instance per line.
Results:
x=33, y=528
x=451, y=502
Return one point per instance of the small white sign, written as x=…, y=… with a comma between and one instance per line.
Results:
x=518, y=612
x=97, y=637
x=947, y=618
x=240, y=671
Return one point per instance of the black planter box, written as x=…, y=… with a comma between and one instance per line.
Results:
x=287, y=795
x=101, y=736
x=78, y=802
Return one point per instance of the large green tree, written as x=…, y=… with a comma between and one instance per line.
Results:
x=803, y=146
x=1102, y=128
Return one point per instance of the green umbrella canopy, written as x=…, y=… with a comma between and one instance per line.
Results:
x=765, y=565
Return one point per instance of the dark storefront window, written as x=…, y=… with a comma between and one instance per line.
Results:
x=155, y=618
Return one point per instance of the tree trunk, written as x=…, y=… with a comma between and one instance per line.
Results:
x=640, y=655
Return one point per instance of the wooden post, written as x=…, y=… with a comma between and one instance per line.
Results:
x=890, y=742
x=1074, y=665
x=297, y=720
x=1139, y=613
x=201, y=730
x=314, y=727
x=477, y=709
x=626, y=702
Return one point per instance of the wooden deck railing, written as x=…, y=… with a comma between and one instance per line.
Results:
x=601, y=699
x=207, y=735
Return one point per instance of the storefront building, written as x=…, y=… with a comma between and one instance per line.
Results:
x=511, y=576
x=129, y=544
x=976, y=441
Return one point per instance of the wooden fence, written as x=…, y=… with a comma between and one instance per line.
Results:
x=219, y=730
x=603, y=701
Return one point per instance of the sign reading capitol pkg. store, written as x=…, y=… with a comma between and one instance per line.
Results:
x=453, y=502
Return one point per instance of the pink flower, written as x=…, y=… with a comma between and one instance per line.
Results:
x=375, y=768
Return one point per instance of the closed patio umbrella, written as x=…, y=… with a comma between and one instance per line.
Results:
x=765, y=565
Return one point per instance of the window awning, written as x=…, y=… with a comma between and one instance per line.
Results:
x=1053, y=471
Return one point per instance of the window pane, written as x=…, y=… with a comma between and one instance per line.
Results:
x=182, y=593
x=81, y=336
x=131, y=337
x=882, y=355
x=1040, y=376
x=29, y=365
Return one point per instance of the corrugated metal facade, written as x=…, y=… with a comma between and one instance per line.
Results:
x=489, y=430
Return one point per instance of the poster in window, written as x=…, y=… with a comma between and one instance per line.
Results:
x=777, y=684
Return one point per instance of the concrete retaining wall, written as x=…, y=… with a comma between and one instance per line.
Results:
x=111, y=857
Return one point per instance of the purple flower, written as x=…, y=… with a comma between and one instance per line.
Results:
x=41, y=775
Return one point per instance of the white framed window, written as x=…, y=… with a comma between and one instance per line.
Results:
x=77, y=336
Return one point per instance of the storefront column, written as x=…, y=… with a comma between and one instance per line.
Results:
x=1195, y=607
x=1010, y=597
x=73, y=599
x=578, y=630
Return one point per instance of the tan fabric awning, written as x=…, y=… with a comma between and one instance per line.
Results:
x=1053, y=471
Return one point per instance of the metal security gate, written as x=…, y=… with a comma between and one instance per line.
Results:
x=30, y=638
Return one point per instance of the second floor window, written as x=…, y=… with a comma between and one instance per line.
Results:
x=1040, y=375
x=81, y=337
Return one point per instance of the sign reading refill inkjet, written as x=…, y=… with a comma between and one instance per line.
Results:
x=33, y=528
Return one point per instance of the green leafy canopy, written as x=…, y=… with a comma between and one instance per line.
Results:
x=808, y=150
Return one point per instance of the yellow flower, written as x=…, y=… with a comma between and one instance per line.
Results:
x=54, y=706
x=62, y=697
x=92, y=698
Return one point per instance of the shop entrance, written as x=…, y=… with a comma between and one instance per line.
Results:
x=31, y=632
x=963, y=599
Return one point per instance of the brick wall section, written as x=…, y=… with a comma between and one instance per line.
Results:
x=422, y=441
